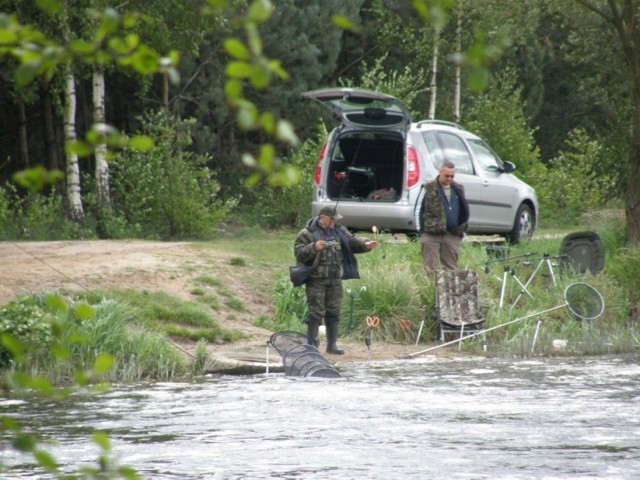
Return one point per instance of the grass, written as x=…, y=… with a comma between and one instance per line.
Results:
x=394, y=288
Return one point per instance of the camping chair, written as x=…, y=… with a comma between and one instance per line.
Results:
x=457, y=305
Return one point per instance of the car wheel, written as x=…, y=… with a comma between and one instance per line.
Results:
x=523, y=226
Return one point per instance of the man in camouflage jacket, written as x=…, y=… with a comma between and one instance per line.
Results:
x=336, y=247
x=443, y=220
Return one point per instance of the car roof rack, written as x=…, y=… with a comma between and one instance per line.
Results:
x=438, y=122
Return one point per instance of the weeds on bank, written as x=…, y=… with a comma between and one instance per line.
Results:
x=394, y=288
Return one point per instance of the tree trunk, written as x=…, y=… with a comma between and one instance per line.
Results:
x=434, y=76
x=22, y=134
x=456, y=93
x=623, y=19
x=50, y=138
x=102, y=167
x=74, y=198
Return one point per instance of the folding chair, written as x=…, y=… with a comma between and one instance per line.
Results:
x=457, y=305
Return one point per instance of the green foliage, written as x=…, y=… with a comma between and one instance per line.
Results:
x=289, y=205
x=23, y=326
x=161, y=312
x=168, y=191
x=290, y=307
x=401, y=85
x=498, y=117
x=35, y=216
x=575, y=182
x=392, y=288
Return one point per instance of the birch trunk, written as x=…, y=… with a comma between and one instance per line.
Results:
x=434, y=76
x=457, y=87
x=74, y=198
x=102, y=166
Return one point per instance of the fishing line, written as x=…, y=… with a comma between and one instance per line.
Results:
x=84, y=287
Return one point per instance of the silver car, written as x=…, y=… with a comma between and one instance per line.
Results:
x=375, y=163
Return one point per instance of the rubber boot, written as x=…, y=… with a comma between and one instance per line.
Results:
x=312, y=332
x=332, y=337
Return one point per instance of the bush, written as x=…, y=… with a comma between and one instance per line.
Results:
x=24, y=322
x=271, y=207
x=168, y=192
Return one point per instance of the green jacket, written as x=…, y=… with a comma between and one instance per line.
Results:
x=334, y=258
x=433, y=217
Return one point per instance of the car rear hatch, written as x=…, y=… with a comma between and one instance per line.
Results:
x=363, y=108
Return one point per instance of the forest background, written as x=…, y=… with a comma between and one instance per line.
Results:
x=549, y=84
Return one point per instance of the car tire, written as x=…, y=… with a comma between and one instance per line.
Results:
x=523, y=226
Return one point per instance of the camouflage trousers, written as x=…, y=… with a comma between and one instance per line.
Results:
x=324, y=297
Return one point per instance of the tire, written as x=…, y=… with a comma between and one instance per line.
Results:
x=523, y=226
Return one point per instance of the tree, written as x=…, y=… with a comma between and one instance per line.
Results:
x=622, y=17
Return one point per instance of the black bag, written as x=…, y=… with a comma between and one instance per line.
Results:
x=299, y=274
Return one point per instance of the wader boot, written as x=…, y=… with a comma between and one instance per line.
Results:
x=332, y=337
x=313, y=326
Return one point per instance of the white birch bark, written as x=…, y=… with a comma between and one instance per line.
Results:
x=102, y=166
x=457, y=87
x=434, y=76
x=72, y=167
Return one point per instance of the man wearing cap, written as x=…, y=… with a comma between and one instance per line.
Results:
x=336, y=247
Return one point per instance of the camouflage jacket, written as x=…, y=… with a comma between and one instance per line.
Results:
x=433, y=217
x=335, y=257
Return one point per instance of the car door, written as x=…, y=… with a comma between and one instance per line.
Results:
x=449, y=146
x=498, y=189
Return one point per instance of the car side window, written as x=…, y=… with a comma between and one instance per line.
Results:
x=456, y=152
x=437, y=155
x=485, y=157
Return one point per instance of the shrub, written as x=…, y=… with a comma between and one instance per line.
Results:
x=169, y=192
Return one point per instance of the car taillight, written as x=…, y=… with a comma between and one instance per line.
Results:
x=413, y=167
x=318, y=174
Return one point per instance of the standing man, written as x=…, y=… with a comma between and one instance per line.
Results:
x=336, y=247
x=444, y=215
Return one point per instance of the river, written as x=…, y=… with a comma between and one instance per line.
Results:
x=425, y=418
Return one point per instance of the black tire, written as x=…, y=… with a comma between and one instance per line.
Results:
x=523, y=226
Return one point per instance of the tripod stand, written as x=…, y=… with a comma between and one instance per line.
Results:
x=544, y=261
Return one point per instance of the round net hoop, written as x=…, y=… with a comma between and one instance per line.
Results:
x=584, y=301
x=285, y=340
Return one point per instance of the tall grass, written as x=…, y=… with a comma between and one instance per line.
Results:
x=393, y=287
x=111, y=329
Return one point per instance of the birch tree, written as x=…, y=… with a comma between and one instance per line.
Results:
x=72, y=168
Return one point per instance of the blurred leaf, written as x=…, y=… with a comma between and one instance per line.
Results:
x=36, y=178
x=344, y=23
x=236, y=49
x=12, y=344
x=141, y=143
x=233, y=89
x=479, y=79
x=84, y=311
x=238, y=70
x=102, y=364
x=260, y=11
x=79, y=148
x=49, y=6
x=56, y=302
x=286, y=133
x=46, y=461
x=102, y=440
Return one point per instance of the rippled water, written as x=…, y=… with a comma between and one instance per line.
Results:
x=426, y=418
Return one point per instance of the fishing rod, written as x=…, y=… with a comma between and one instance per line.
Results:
x=583, y=301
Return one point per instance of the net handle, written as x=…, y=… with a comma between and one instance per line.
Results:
x=594, y=293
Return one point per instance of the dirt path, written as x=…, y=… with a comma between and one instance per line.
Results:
x=161, y=266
